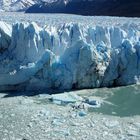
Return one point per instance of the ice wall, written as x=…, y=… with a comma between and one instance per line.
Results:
x=66, y=57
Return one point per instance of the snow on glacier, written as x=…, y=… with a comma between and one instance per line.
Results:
x=68, y=56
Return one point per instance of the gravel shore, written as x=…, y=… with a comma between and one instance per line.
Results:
x=36, y=118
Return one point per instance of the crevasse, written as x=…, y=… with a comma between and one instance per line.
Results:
x=67, y=57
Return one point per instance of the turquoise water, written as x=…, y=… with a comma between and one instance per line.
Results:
x=121, y=101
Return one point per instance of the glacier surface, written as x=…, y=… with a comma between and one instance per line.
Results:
x=70, y=56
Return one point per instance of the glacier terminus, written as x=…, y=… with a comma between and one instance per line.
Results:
x=70, y=56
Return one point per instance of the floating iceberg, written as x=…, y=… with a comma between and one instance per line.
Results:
x=72, y=56
x=65, y=98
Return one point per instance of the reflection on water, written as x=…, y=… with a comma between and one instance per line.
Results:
x=124, y=101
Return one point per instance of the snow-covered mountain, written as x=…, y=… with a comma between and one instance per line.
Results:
x=69, y=56
x=16, y=5
x=19, y=5
x=22, y=5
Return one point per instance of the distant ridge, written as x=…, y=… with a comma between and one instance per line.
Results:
x=128, y=8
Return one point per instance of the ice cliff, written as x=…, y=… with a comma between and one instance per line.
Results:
x=69, y=56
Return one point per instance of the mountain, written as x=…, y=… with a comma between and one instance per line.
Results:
x=80, y=7
x=89, y=7
x=19, y=5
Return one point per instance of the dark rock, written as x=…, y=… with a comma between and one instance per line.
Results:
x=129, y=8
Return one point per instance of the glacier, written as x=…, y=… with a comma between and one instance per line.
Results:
x=70, y=56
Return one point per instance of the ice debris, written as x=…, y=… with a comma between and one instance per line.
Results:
x=82, y=113
x=93, y=102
